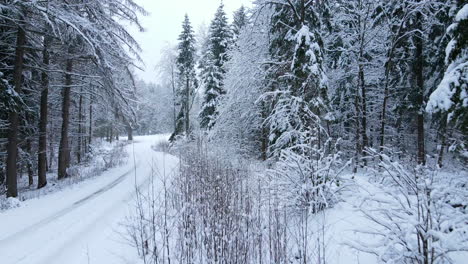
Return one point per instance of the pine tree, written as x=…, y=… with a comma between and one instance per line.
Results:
x=300, y=82
x=186, y=75
x=451, y=94
x=450, y=98
x=240, y=20
x=213, y=75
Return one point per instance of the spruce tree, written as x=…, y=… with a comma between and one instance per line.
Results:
x=212, y=78
x=450, y=98
x=186, y=74
x=299, y=82
x=239, y=21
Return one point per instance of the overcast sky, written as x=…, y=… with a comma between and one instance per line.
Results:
x=164, y=24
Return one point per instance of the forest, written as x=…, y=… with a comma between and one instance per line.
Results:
x=291, y=131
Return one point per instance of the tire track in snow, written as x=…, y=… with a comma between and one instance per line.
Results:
x=43, y=223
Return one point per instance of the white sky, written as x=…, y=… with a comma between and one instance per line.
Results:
x=164, y=24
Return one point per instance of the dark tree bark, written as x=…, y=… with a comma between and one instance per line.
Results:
x=90, y=132
x=111, y=134
x=2, y=173
x=29, y=165
x=264, y=137
x=42, y=151
x=174, y=103
x=129, y=132
x=443, y=140
x=358, y=134
x=80, y=125
x=64, y=149
x=418, y=72
x=51, y=152
x=365, y=139
x=383, y=116
x=12, y=146
x=187, y=107
x=362, y=83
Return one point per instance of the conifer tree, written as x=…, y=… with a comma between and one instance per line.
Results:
x=213, y=76
x=451, y=94
x=450, y=98
x=186, y=74
x=240, y=20
x=300, y=82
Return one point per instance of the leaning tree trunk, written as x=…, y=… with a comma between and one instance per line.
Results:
x=12, y=146
x=64, y=149
x=42, y=151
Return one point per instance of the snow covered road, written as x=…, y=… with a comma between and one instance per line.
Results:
x=82, y=223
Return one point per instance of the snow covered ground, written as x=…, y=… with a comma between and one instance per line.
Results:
x=347, y=227
x=82, y=223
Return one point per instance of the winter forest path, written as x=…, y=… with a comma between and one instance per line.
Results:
x=83, y=223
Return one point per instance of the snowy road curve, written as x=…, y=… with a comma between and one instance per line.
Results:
x=82, y=224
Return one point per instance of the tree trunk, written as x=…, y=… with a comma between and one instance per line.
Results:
x=64, y=149
x=111, y=134
x=129, y=132
x=90, y=135
x=383, y=116
x=2, y=172
x=264, y=136
x=29, y=165
x=187, y=110
x=365, y=139
x=174, y=100
x=42, y=151
x=418, y=71
x=358, y=134
x=443, y=132
x=51, y=152
x=12, y=146
x=80, y=121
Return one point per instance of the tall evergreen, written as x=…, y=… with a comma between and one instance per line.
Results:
x=450, y=98
x=299, y=81
x=239, y=21
x=213, y=75
x=186, y=74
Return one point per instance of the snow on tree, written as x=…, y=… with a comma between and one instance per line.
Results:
x=187, y=77
x=240, y=20
x=418, y=215
x=451, y=95
x=240, y=124
x=300, y=95
x=212, y=79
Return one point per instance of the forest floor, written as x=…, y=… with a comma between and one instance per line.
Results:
x=84, y=222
